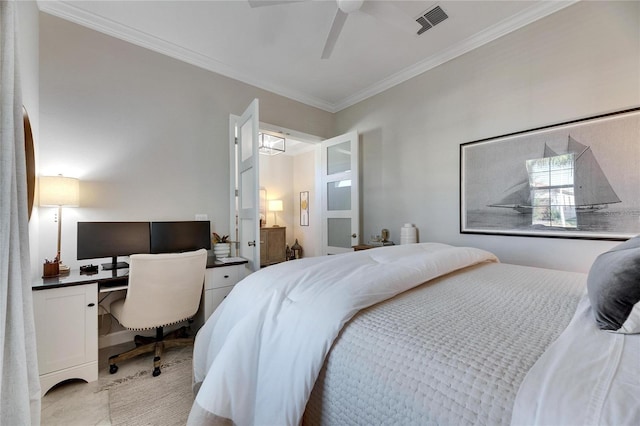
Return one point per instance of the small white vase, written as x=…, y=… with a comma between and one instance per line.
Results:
x=221, y=250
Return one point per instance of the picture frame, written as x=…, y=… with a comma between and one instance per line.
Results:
x=304, y=208
x=577, y=179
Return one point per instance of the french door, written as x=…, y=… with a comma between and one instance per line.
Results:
x=245, y=207
x=340, y=193
x=338, y=186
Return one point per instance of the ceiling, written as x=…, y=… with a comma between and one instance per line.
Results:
x=278, y=47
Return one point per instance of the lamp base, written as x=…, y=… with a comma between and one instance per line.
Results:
x=63, y=269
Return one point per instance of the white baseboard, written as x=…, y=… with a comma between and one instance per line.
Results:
x=116, y=338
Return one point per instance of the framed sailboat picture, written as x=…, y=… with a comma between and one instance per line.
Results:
x=579, y=179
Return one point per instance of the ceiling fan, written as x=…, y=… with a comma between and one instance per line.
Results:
x=384, y=11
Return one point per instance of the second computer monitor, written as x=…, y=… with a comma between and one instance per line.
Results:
x=177, y=237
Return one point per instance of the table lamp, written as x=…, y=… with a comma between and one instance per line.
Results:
x=275, y=206
x=59, y=191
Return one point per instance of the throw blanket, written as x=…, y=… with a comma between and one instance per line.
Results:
x=259, y=354
x=453, y=351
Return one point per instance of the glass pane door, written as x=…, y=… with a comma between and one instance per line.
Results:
x=340, y=196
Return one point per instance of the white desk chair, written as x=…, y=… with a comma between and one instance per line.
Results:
x=163, y=289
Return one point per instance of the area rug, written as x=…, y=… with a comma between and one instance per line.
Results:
x=141, y=399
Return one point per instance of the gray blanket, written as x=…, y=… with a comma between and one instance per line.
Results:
x=450, y=352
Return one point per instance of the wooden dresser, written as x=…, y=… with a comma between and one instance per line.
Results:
x=273, y=242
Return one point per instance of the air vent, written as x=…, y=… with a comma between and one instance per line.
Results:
x=430, y=18
x=425, y=24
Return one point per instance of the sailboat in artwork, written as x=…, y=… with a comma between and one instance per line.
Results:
x=588, y=186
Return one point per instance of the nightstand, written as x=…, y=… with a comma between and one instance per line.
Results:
x=362, y=247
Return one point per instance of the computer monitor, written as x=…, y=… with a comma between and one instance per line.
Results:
x=112, y=239
x=177, y=237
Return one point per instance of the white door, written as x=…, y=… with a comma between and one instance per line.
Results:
x=340, y=194
x=246, y=204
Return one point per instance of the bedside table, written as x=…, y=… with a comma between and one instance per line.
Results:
x=374, y=245
x=362, y=247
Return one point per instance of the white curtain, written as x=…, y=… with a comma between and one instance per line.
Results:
x=19, y=383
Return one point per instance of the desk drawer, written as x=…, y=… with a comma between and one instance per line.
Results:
x=223, y=276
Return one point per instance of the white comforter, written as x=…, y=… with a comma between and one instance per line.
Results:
x=586, y=377
x=259, y=354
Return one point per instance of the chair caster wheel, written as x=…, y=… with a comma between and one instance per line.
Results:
x=113, y=369
x=156, y=372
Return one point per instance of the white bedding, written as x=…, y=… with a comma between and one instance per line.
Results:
x=258, y=356
x=586, y=377
x=452, y=351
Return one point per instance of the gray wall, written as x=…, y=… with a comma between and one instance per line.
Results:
x=146, y=134
x=581, y=61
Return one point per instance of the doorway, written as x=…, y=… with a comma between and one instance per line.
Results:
x=320, y=173
x=291, y=177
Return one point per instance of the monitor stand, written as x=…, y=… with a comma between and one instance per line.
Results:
x=114, y=264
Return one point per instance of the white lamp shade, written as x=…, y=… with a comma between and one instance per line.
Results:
x=59, y=191
x=275, y=205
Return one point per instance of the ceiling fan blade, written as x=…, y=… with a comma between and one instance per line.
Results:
x=334, y=32
x=391, y=14
x=260, y=3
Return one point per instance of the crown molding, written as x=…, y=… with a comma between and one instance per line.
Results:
x=72, y=13
x=129, y=34
x=494, y=32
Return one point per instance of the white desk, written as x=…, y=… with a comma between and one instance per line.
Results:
x=66, y=317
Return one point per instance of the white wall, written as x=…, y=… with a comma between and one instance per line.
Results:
x=28, y=56
x=276, y=175
x=284, y=177
x=309, y=237
x=579, y=62
x=146, y=134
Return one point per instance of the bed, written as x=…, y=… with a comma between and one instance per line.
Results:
x=417, y=334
